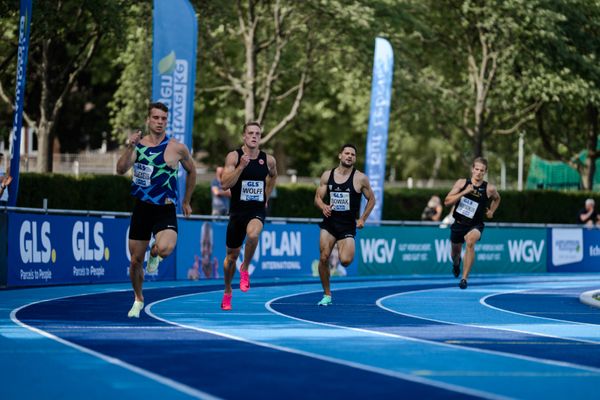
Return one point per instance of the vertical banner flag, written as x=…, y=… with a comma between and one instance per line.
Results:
x=174, y=69
x=15, y=144
x=377, y=136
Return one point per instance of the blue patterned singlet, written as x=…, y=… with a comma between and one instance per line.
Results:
x=153, y=180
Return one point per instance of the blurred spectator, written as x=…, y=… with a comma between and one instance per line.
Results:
x=4, y=182
x=448, y=219
x=588, y=215
x=220, y=197
x=433, y=210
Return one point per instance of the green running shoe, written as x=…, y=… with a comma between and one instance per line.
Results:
x=325, y=301
x=153, y=262
x=135, y=309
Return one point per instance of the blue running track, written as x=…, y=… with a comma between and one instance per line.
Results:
x=506, y=336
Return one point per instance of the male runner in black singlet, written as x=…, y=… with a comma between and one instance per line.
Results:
x=343, y=187
x=250, y=174
x=470, y=197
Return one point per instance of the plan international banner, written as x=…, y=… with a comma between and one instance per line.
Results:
x=377, y=136
x=174, y=70
x=15, y=145
x=284, y=250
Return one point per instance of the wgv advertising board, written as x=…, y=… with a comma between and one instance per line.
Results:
x=283, y=250
x=391, y=250
x=55, y=249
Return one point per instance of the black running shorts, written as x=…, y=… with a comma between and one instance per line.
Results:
x=236, y=228
x=337, y=230
x=147, y=219
x=458, y=231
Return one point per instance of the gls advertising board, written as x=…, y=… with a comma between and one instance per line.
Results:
x=54, y=249
x=426, y=250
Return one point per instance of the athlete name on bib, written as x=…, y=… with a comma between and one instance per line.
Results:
x=142, y=174
x=252, y=191
x=340, y=201
x=467, y=207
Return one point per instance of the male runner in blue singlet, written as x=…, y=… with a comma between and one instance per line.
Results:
x=250, y=174
x=155, y=159
x=470, y=197
x=343, y=187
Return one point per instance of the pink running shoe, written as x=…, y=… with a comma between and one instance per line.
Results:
x=226, y=302
x=244, y=280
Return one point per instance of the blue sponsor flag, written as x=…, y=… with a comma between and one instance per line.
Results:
x=174, y=70
x=377, y=136
x=15, y=146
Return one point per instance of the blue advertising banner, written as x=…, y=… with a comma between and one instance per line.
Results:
x=55, y=249
x=284, y=250
x=15, y=145
x=389, y=250
x=3, y=247
x=377, y=136
x=174, y=69
x=574, y=250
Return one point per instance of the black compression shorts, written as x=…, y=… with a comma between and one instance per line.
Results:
x=236, y=228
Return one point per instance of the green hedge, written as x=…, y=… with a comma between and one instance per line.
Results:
x=111, y=193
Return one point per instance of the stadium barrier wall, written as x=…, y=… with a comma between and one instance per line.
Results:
x=285, y=249
x=390, y=250
x=3, y=248
x=49, y=247
x=71, y=249
x=574, y=249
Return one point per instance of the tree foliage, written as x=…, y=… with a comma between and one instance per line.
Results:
x=470, y=76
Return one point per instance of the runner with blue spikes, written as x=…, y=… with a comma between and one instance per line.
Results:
x=338, y=197
x=155, y=159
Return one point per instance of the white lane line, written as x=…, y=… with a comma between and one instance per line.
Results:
x=483, y=301
x=188, y=390
x=321, y=357
x=495, y=352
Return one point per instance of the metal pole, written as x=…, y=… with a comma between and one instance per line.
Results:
x=502, y=175
x=520, y=177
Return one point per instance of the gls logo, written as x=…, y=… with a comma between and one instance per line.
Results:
x=34, y=243
x=379, y=250
x=82, y=241
x=525, y=250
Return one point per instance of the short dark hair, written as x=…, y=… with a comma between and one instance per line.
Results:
x=480, y=160
x=159, y=105
x=251, y=123
x=348, y=145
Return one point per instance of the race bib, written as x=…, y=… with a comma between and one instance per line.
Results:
x=252, y=191
x=467, y=207
x=142, y=174
x=340, y=201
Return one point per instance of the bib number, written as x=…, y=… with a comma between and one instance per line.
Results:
x=252, y=191
x=467, y=207
x=340, y=201
x=142, y=174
